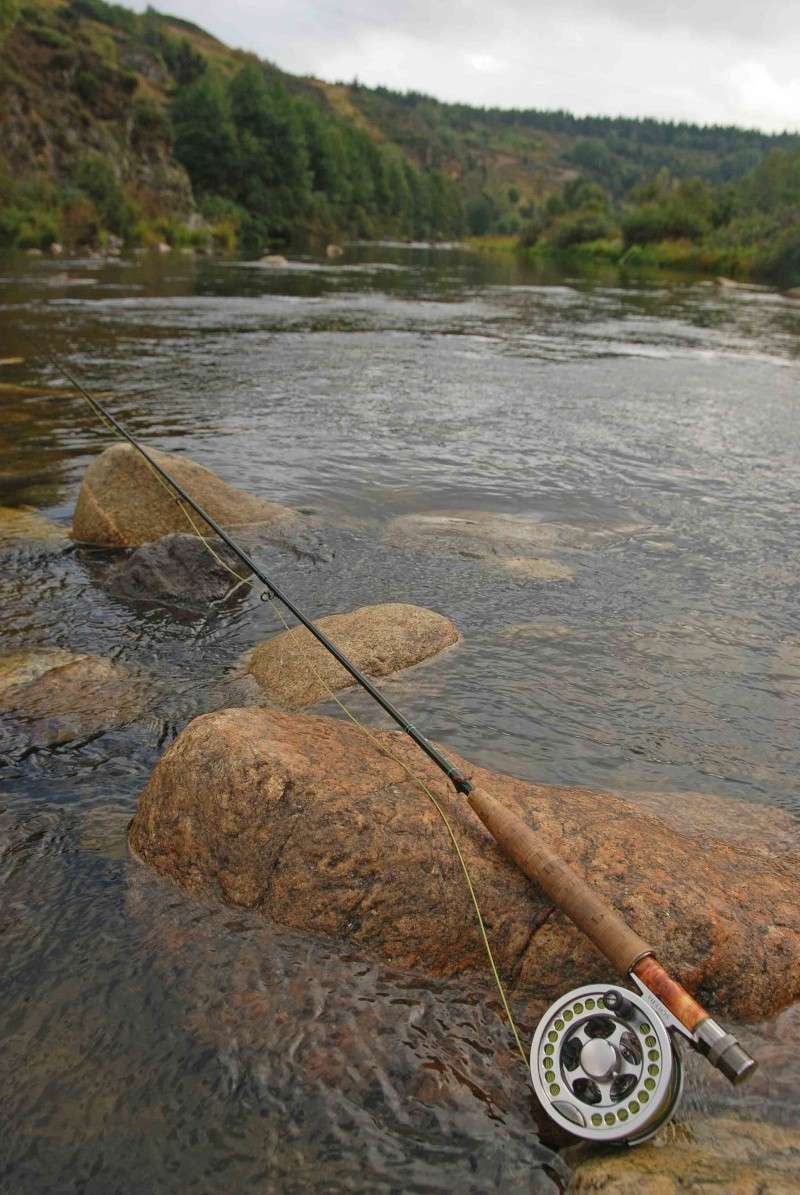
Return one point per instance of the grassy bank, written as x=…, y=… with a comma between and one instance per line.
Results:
x=681, y=255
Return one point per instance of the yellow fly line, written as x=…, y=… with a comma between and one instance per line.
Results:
x=368, y=734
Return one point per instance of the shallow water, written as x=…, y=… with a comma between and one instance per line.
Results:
x=661, y=412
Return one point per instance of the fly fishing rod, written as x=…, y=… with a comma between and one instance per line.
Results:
x=604, y=1060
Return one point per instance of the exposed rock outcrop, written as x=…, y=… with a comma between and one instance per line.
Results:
x=294, y=670
x=122, y=503
x=302, y=818
x=61, y=695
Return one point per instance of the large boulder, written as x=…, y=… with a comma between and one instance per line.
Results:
x=178, y=568
x=302, y=818
x=123, y=503
x=294, y=670
x=61, y=695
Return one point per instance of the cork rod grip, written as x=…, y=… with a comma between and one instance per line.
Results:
x=566, y=889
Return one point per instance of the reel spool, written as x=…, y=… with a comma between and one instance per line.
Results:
x=605, y=1067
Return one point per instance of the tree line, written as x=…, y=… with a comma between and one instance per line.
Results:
x=750, y=226
x=284, y=168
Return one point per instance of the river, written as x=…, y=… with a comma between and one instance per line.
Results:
x=657, y=415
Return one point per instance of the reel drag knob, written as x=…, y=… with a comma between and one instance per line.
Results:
x=604, y=1066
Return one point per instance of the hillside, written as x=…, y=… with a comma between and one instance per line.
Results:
x=533, y=153
x=144, y=128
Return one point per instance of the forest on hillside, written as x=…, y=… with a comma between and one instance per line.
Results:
x=276, y=165
x=123, y=128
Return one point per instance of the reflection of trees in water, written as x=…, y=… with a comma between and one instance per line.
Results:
x=34, y=458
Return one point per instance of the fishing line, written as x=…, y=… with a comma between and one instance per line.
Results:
x=460, y=782
x=604, y=1062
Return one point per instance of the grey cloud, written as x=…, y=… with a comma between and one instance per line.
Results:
x=709, y=61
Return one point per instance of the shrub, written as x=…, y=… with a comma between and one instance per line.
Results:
x=576, y=228
x=150, y=125
x=9, y=11
x=106, y=14
x=532, y=231
x=654, y=221
x=80, y=223
x=95, y=177
x=779, y=262
x=23, y=227
x=51, y=37
x=480, y=215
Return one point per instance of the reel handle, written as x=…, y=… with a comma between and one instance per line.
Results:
x=628, y=952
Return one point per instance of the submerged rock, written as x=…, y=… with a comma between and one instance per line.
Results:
x=695, y=1158
x=62, y=695
x=507, y=542
x=535, y=629
x=528, y=568
x=302, y=818
x=122, y=503
x=294, y=670
x=177, y=567
x=18, y=523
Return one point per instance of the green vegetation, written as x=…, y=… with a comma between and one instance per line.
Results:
x=9, y=11
x=750, y=227
x=288, y=168
x=509, y=161
x=138, y=128
x=270, y=160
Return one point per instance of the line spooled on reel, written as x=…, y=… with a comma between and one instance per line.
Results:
x=604, y=1061
x=604, y=1065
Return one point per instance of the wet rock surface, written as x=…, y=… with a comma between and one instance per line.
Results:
x=697, y=1157
x=302, y=818
x=383, y=1083
x=60, y=695
x=294, y=670
x=180, y=568
x=122, y=503
x=704, y=816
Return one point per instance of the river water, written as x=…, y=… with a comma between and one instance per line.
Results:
x=154, y=1043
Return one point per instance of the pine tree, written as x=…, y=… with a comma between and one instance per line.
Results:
x=205, y=138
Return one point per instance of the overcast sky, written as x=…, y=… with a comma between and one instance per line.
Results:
x=710, y=61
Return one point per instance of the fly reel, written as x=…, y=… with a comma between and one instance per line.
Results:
x=604, y=1065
